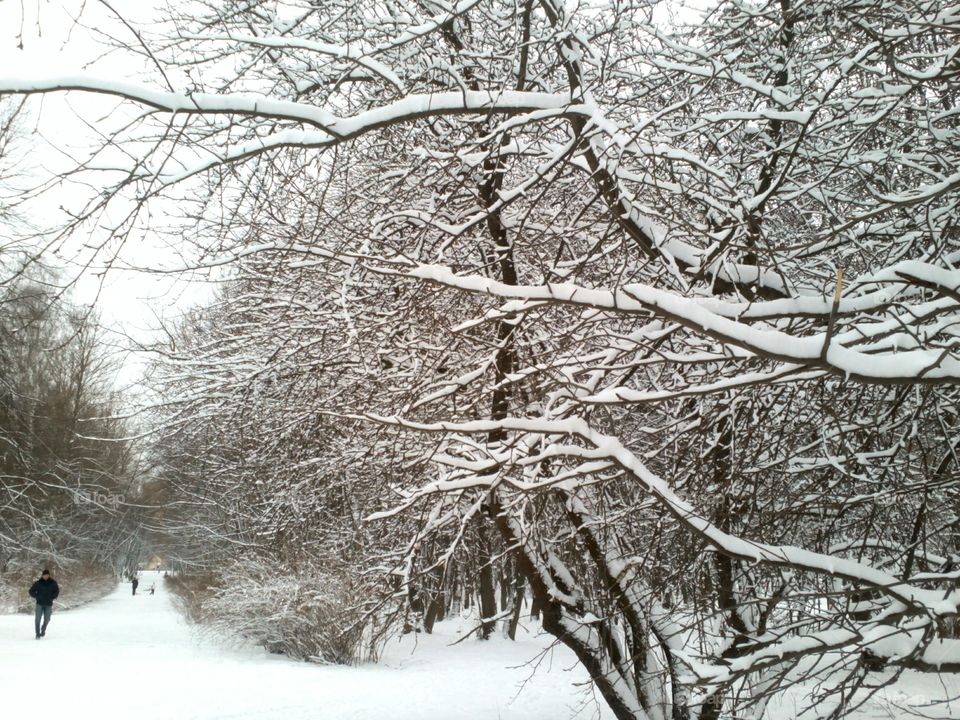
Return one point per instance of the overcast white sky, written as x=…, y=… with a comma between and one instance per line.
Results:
x=130, y=303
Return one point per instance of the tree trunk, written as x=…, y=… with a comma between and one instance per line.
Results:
x=488, y=589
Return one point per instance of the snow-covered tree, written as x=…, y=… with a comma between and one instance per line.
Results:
x=674, y=311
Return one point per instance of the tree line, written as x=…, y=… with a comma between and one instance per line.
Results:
x=65, y=466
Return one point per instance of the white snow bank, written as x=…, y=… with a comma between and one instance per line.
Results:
x=135, y=657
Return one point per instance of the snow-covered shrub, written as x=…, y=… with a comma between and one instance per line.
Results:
x=14, y=583
x=310, y=613
x=80, y=583
x=189, y=593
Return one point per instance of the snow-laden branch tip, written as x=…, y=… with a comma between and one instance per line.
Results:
x=261, y=106
x=836, y=354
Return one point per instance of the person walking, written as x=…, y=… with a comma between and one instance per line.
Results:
x=44, y=591
x=135, y=583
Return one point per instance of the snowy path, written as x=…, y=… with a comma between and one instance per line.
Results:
x=134, y=658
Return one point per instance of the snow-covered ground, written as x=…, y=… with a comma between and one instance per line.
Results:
x=135, y=658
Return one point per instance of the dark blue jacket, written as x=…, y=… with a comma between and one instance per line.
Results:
x=45, y=591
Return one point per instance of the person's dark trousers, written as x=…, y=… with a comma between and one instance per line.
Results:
x=43, y=611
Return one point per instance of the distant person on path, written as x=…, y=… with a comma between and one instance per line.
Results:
x=135, y=583
x=44, y=591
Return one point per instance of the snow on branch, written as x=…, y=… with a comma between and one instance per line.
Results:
x=323, y=128
x=916, y=599
x=836, y=354
x=336, y=128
